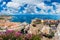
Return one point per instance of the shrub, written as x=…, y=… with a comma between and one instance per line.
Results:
x=13, y=35
x=36, y=37
x=49, y=35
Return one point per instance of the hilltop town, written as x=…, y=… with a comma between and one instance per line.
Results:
x=48, y=29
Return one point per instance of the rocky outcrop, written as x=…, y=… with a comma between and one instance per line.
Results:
x=57, y=34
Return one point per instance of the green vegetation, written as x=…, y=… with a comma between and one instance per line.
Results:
x=2, y=18
x=13, y=35
x=49, y=35
x=36, y=37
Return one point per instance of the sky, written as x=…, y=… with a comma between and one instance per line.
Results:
x=17, y=7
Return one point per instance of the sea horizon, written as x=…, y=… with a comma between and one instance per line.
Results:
x=29, y=17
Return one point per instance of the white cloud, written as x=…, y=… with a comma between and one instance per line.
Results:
x=9, y=11
x=45, y=9
x=42, y=12
x=5, y=12
x=30, y=1
x=4, y=3
x=41, y=5
x=13, y=5
x=57, y=7
x=27, y=1
x=55, y=3
x=58, y=11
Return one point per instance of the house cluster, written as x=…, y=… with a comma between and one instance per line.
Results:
x=37, y=26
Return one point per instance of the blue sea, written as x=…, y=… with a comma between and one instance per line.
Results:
x=28, y=18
